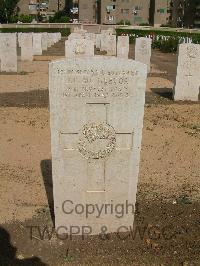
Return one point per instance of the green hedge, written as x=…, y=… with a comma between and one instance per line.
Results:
x=168, y=45
x=144, y=32
x=63, y=31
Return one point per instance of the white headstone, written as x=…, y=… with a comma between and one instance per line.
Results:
x=49, y=39
x=109, y=44
x=96, y=128
x=37, y=44
x=90, y=36
x=98, y=41
x=79, y=48
x=188, y=78
x=73, y=36
x=79, y=30
x=26, y=44
x=8, y=52
x=143, y=51
x=108, y=31
x=56, y=37
x=123, y=47
x=44, y=41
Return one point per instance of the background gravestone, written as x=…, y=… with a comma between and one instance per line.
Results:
x=143, y=51
x=123, y=47
x=26, y=44
x=37, y=43
x=75, y=35
x=98, y=41
x=79, y=48
x=96, y=131
x=8, y=52
x=188, y=79
x=109, y=44
x=44, y=41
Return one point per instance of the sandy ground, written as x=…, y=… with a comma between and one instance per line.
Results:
x=169, y=180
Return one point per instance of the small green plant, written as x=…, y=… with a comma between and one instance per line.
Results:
x=124, y=22
x=59, y=17
x=166, y=46
x=25, y=18
x=165, y=40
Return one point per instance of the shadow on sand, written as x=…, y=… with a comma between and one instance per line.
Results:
x=8, y=253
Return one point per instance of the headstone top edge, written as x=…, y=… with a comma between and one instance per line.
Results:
x=101, y=60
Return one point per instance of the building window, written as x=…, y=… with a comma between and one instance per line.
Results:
x=125, y=11
x=110, y=18
x=110, y=8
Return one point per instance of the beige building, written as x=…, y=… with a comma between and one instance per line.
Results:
x=134, y=11
x=31, y=7
x=24, y=7
x=55, y=5
x=162, y=12
x=87, y=11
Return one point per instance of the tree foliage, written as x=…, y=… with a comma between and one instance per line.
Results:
x=59, y=17
x=7, y=9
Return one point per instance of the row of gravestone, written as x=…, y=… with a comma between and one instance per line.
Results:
x=30, y=43
x=82, y=44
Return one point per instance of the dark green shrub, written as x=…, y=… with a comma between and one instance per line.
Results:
x=144, y=24
x=166, y=26
x=170, y=44
x=157, y=44
x=59, y=17
x=124, y=22
x=25, y=18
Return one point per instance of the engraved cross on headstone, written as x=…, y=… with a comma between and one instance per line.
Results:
x=96, y=151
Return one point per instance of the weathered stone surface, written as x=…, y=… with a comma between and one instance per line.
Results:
x=79, y=48
x=108, y=44
x=188, y=79
x=44, y=41
x=37, y=43
x=98, y=41
x=143, y=51
x=90, y=36
x=26, y=44
x=108, y=31
x=73, y=36
x=96, y=130
x=50, y=40
x=79, y=30
x=8, y=52
x=123, y=47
